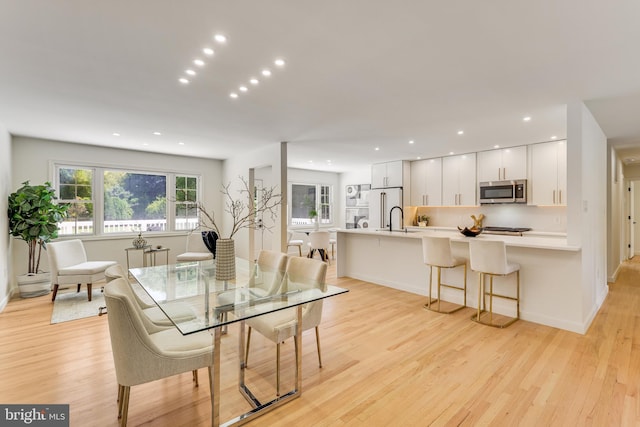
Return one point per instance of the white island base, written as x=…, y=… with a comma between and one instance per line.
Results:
x=550, y=288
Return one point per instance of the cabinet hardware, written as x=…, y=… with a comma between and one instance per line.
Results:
x=554, y=197
x=559, y=197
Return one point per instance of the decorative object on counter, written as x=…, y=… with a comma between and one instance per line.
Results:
x=423, y=220
x=470, y=232
x=139, y=242
x=225, y=259
x=477, y=222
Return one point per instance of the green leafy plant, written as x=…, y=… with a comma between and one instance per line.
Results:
x=33, y=217
x=423, y=218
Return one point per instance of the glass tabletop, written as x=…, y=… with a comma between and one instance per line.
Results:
x=194, y=300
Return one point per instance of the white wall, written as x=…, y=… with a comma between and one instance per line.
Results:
x=587, y=204
x=31, y=160
x=5, y=190
x=274, y=156
x=615, y=214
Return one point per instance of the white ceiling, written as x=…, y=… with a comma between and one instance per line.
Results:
x=360, y=74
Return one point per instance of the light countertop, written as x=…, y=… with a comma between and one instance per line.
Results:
x=553, y=241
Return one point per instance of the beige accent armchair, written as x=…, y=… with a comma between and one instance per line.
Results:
x=196, y=250
x=69, y=265
x=301, y=273
x=140, y=356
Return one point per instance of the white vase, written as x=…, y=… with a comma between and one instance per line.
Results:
x=225, y=259
x=34, y=285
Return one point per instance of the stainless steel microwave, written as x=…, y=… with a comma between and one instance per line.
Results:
x=494, y=192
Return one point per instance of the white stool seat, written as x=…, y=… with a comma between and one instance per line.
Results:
x=436, y=252
x=294, y=242
x=489, y=258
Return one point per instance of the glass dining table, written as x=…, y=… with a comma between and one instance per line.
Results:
x=217, y=304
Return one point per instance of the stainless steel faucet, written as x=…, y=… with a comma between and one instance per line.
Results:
x=391, y=219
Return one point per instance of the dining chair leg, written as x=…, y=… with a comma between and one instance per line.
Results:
x=78, y=288
x=120, y=393
x=125, y=405
x=55, y=292
x=89, y=285
x=278, y=369
x=246, y=353
x=300, y=250
x=195, y=377
x=318, y=345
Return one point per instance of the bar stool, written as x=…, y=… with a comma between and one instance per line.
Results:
x=436, y=252
x=489, y=258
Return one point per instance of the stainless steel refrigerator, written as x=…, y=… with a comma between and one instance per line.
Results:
x=381, y=200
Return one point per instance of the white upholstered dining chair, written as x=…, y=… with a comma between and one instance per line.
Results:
x=196, y=250
x=301, y=273
x=319, y=241
x=177, y=310
x=69, y=266
x=140, y=356
x=294, y=242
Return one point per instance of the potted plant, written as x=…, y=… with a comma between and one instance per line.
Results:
x=423, y=220
x=33, y=217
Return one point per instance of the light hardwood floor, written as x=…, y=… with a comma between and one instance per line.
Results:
x=387, y=362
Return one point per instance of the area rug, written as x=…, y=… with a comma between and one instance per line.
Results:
x=72, y=305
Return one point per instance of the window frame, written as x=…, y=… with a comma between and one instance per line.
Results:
x=98, y=171
x=318, y=205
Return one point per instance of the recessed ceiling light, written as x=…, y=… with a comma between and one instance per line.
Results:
x=220, y=38
x=460, y=132
x=180, y=143
x=450, y=152
x=208, y=51
x=145, y=144
x=183, y=80
x=526, y=119
x=190, y=72
x=279, y=62
x=554, y=137
x=377, y=148
x=631, y=159
x=115, y=134
x=266, y=72
x=233, y=95
x=243, y=88
x=418, y=158
x=254, y=81
x=496, y=146
x=411, y=142
x=156, y=133
x=199, y=62
x=310, y=161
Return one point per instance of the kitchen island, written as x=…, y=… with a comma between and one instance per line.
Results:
x=550, y=288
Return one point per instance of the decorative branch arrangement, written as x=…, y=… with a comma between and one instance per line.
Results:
x=243, y=209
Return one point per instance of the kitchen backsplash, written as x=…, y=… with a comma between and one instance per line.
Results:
x=538, y=218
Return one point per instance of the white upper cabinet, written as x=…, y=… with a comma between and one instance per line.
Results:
x=389, y=174
x=459, y=180
x=548, y=181
x=502, y=164
x=426, y=182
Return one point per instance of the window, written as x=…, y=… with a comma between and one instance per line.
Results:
x=75, y=189
x=186, y=202
x=130, y=200
x=309, y=203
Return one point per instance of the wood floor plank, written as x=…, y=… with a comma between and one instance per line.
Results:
x=386, y=362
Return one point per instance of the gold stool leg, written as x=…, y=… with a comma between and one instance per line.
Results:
x=439, y=283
